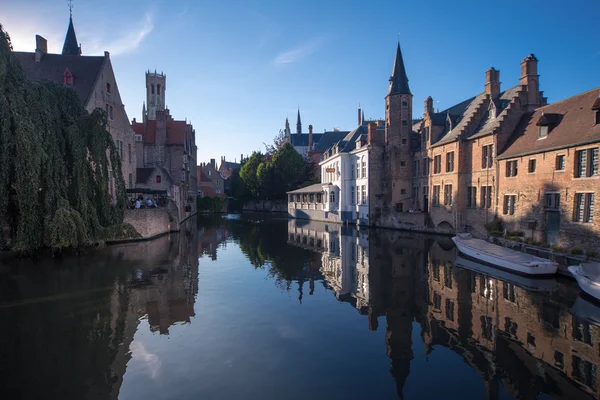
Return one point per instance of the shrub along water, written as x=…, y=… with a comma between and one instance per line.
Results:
x=54, y=164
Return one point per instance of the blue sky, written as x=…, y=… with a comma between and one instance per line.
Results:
x=236, y=69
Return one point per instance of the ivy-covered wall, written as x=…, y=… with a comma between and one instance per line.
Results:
x=54, y=160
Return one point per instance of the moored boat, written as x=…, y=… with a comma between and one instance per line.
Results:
x=587, y=276
x=501, y=257
x=533, y=284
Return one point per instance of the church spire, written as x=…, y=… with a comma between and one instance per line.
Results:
x=399, y=80
x=298, y=123
x=71, y=48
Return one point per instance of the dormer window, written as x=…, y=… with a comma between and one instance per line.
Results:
x=108, y=87
x=597, y=117
x=68, y=77
x=543, y=132
x=546, y=123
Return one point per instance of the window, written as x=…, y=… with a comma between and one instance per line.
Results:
x=109, y=111
x=531, y=168
x=416, y=168
x=471, y=196
x=404, y=122
x=311, y=198
x=437, y=164
x=586, y=163
x=119, y=145
x=403, y=163
x=436, y=195
x=435, y=271
x=552, y=200
x=426, y=166
x=559, y=359
x=130, y=181
x=158, y=89
x=403, y=140
x=152, y=87
x=509, y=204
x=319, y=197
x=584, y=372
x=448, y=276
x=402, y=191
x=357, y=195
x=450, y=161
x=449, y=310
x=425, y=134
x=543, y=132
x=364, y=194
x=486, y=197
x=332, y=197
x=512, y=168
x=437, y=301
x=530, y=339
x=584, y=207
x=510, y=326
x=597, y=117
x=404, y=104
x=364, y=167
x=560, y=162
x=508, y=291
x=351, y=171
x=487, y=327
x=107, y=87
x=487, y=156
x=129, y=152
x=68, y=77
x=352, y=195
x=448, y=195
x=158, y=179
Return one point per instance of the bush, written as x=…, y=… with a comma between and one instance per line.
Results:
x=120, y=232
x=557, y=249
x=576, y=251
x=515, y=238
x=495, y=225
x=496, y=232
x=545, y=245
x=592, y=254
x=515, y=233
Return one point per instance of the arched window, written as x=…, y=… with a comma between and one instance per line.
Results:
x=152, y=86
x=158, y=89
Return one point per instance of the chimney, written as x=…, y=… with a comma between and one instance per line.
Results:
x=372, y=137
x=41, y=48
x=428, y=106
x=492, y=82
x=212, y=162
x=310, y=139
x=530, y=80
x=360, y=121
x=134, y=120
x=241, y=158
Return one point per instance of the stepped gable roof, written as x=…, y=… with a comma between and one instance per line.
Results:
x=327, y=139
x=301, y=139
x=462, y=113
x=176, y=131
x=85, y=70
x=576, y=127
x=138, y=128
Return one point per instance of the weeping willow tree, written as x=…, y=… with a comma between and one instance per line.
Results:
x=54, y=164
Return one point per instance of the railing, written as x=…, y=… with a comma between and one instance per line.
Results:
x=542, y=252
x=305, y=206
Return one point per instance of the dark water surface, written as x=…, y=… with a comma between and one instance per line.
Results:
x=260, y=308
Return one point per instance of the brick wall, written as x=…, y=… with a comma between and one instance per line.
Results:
x=148, y=222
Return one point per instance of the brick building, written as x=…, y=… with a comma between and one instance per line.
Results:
x=169, y=144
x=94, y=81
x=226, y=168
x=210, y=181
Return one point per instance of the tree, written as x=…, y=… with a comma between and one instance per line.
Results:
x=248, y=172
x=284, y=172
x=278, y=142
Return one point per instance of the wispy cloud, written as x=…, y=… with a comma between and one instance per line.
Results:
x=298, y=53
x=127, y=41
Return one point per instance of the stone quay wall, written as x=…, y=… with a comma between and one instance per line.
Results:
x=266, y=206
x=149, y=222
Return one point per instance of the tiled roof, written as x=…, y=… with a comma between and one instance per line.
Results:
x=142, y=174
x=138, y=128
x=230, y=165
x=327, y=139
x=85, y=70
x=576, y=127
x=302, y=138
x=150, y=136
x=176, y=131
x=316, y=188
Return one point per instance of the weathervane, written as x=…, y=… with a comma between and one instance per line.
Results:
x=70, y=8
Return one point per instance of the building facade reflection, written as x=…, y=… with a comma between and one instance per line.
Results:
x=530, y=337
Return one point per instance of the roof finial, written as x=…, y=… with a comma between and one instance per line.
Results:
x=70, y=8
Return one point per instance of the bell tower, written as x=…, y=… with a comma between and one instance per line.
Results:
x=156, y=85
x=398, y=131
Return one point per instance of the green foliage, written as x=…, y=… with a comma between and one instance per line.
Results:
x=121, y=232
x=495, y=224
x=210, y=204
x=591, y=254
x=515, y=233
x=54, y=162
x=576, y=251
x=249, y=172
x=557, y=249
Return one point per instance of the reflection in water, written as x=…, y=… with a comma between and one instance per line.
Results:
x=67, y=326
x=71, y=328
x=516, y=332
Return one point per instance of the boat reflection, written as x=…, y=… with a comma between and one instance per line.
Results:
x=519, y=334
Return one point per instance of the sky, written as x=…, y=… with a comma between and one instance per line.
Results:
x=237, y=69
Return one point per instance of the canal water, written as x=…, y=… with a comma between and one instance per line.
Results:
x=255, y=307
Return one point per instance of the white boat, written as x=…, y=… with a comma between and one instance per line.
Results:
x=501, y=257
x=587, y=276
x=587, y=310
x=532, y=284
